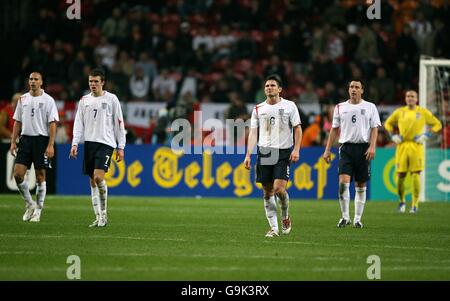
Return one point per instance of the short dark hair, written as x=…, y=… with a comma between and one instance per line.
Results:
x=274, y=77
x=357, y=80
x=98, y=72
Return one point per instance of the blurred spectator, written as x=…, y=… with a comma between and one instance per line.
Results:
x=384, y=86
x=309, y=95
x=115, y=27
x=169, y=58
x=367, y=52
x=76, y=67
x=407, y=50
x=420, y=29
x=223, y=43
x=245, y=47
x=203, y=38
x=236, y=110
x=219, y=91
x=276, y=67
x=6, y=117
x=311, y=135
x=184, y=43
x=139, y=85
x=148, y=65
x=107, y=52
x=164, y=87
x=189, y=84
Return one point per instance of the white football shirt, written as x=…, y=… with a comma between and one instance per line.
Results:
x=275, y=123
x=355, y=121
x=35, y=113
x=99, y=119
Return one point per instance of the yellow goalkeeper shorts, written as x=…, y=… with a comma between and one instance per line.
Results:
x=409, y=156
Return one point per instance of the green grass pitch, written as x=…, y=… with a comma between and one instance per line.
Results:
x=220, y=239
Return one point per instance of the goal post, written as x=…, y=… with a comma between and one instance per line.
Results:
x=434, y=93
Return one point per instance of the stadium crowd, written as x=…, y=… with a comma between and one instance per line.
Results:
x=187, y=52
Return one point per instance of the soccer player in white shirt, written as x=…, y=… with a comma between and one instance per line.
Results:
x=35, y=119
x=358, y=121
x=275, y=126
x=99, y=120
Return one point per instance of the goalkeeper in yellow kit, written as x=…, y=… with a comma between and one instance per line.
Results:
x=409, y=156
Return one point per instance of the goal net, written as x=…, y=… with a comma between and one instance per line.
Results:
x=434, y=93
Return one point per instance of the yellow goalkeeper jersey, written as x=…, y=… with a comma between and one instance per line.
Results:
x=411, y=123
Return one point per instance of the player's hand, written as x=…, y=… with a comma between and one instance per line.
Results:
x=13, y=149
x=50, y=152
x=397, y=139
x=422, y=138
x=294, y=156
x=247, y=162
x=327, y=156
x=370, y=153
x=120, y=155
x=73, y=152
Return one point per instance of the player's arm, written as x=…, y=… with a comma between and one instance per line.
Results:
x=15, y=134
x=78, y=130
x=50, y=151
x=331, y=138
x=252, y=137
x=370, y=153
x=431, y=121
x=252, y=140
x=435, y=123
x=335, y=125
x=119, y=130
x=389, y=125
x=295, y=155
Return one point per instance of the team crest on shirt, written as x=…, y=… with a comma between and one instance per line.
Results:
x=104, y=105
x=41, y=105
x=281, y=112
x=417, y=115
x=363, y=111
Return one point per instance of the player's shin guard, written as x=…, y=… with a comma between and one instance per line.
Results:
x=284, y=205
x=103, y=192
x=25, y=193
x=344, y=199
x=271, y=212
x=95, y=196
x=401, y=189
x=416, y=189
x=360, y=201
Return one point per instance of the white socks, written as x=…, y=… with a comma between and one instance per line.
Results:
x=95, y=195
x=103, y=193
x=360, y=201
x=41, y=191
x=25, y=193
x=271, y=212
x=344, y=200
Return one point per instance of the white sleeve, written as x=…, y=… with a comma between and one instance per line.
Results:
x=295, y=116
x=78, y=126
x=375, y=120
x=254, y=121
x=18, y=112
x=53, y=114
x=336, y=118
x=119, y=126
